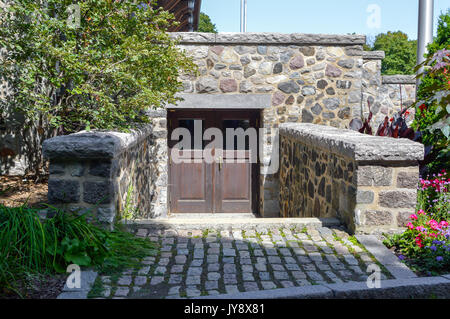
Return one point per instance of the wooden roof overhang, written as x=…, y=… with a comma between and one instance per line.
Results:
x=180, y=9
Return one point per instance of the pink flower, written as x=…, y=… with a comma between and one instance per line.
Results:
x=419, y=241
x=410, y=225
x=443, y=224
x=420, y=212
x=433, y=224
x=413, y=216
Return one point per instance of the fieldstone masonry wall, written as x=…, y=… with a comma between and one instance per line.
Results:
x=310, y=79
x=113, y=175
x=368, y=182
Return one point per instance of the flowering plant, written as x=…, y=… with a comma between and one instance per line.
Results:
x=433, y=108
x=426, y=241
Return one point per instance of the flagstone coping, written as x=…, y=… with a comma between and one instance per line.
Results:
x=398, y=269
x=424, y=287
x=87, y=281
x=267, y=38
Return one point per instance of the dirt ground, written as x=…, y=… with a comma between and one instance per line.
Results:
x=47, y=287
x=18, y=190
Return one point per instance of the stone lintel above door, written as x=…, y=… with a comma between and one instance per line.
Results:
x=223, y=101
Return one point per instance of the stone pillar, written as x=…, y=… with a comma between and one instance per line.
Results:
x=368, y=182
x=386, y=195
x=109, y=174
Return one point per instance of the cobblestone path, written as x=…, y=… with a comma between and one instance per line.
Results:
x=193, y=263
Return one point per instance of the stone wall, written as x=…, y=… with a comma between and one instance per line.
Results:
x=368, y=182
x=309, y=79
x=111, y=174
x=386, y=94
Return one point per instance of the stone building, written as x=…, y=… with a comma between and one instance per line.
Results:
x=303, y=89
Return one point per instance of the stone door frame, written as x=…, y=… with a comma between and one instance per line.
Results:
x=214, y=117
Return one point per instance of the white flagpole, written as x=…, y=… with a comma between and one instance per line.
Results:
x=245, y=15
x=425, y=30
x=242, y=15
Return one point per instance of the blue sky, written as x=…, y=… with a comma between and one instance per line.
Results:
x=320, y=16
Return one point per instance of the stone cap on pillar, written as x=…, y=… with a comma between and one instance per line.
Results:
x=93, y=144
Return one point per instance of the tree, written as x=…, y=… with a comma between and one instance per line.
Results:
x=442, y=39
x=400, y=52
x=205, y=24
x=88, y=64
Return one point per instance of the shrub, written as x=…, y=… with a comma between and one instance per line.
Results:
x=391, y=127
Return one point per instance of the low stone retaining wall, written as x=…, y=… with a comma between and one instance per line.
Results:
x=369, y=182
x=111, y=174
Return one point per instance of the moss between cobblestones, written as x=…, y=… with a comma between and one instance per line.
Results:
x=97, y=289
x=208, y=234
x=205, y=233
x=183, y=294
x=355, y=241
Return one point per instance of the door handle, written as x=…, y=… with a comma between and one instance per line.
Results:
x=219, y=159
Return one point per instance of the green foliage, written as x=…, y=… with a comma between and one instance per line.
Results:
x=432, y=108
x=205, y=24
x=442, y=39
x=99, y=73
x=400, y=52
x=125, y=251
x=29, y=246
x=129, y=209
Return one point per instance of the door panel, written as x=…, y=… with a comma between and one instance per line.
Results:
x=233, y=183
x=191, y=185
x=224, y=186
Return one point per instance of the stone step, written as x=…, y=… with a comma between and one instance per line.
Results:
x=225, y=223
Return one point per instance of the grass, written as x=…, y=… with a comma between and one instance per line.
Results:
x=30, y=247
x=97, y=289
x=125, y=252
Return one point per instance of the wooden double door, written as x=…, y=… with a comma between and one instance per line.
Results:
x=218, y=180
